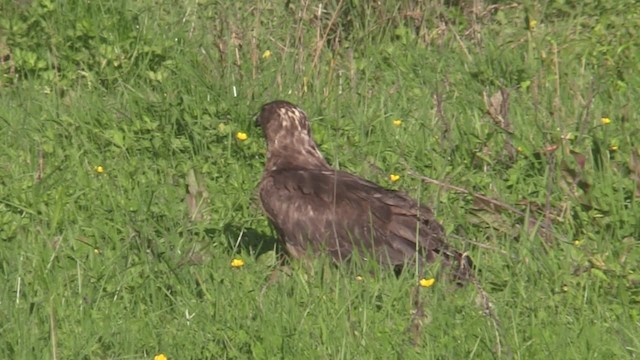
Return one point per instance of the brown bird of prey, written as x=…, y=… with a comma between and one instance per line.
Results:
x=315, y=208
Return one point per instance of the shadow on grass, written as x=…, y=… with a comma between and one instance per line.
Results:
x=250, y=240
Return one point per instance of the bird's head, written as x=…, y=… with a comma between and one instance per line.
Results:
x=288, y=133
x=280, y=116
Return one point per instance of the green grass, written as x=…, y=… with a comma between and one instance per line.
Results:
x=113, y=265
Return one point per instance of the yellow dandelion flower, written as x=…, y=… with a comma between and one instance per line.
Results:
x=532, y=24
x=425, y=283
x=160, y=357
x=397, y=122
x=97, y=251
x=394, y=177
x=577, y=242
x=99, y=169
x=266, y=54
x=519, y=149
x=605, y=121
x=613, y=147
x=237, y=263
x=359, y=278
x=241, y=136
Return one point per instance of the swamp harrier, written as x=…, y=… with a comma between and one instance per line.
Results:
x=315, y=208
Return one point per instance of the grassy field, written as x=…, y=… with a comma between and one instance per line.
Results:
x=126, y=189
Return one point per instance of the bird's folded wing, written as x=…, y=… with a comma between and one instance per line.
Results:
x=341, y=210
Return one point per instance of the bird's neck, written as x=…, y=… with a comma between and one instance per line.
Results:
x=301, y=154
